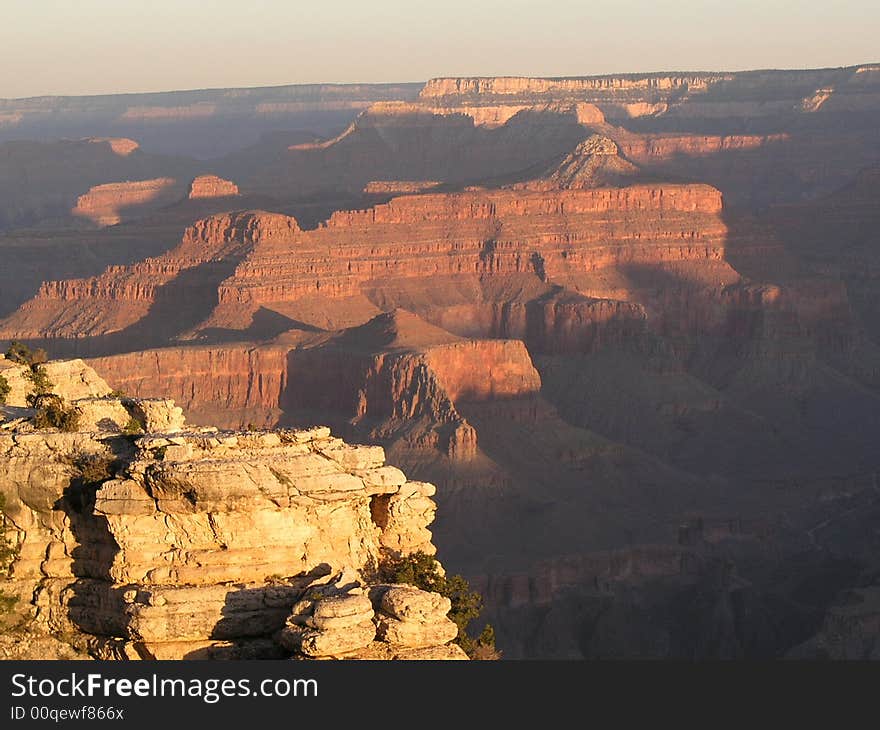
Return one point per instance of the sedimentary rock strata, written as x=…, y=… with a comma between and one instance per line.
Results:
x=105, y=204
x=211, y=186
x=348, y=619
x=162, y=540
x=555, y=236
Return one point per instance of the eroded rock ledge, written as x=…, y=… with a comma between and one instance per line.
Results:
x=143, y=537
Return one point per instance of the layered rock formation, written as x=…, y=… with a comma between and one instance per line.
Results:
x=169, y=541
x=123, y=296
x=594, y=163
x=553, y=236
x=755, y=135
x=105, y=204
x=211, y=186
x=399, y=375
x=347, y=619
x=752, y=94
x=650, y=408
x=203, y=123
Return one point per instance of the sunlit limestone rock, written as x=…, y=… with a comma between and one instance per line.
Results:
x=143, y=536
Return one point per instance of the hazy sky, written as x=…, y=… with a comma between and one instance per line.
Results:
x=104, y=46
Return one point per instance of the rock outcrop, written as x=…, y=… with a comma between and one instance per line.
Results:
x=105, y=205
x=594, y=163
x=71, y=379
x=163, y=540
x=211, y=186
x=348, y=619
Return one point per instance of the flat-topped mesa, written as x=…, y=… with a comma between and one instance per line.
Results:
x=482, y=204
x=562, y=87
x=483, y=113
x=121, y=146
x=211, y=186
x=218, y=234
x=188, y=542
x=105, y=205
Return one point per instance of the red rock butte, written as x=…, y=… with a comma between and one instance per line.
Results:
x=211, y=186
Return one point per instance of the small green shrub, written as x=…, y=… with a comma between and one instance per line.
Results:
x=421, y=570
x=94, y=469
x=23, y=355
x=4, y=389
x=117, y=394
x=40, y=378
x=132, y=427
x=53, y=413
x=8, y=553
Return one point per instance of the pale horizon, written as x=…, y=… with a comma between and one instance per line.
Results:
x=100, y=47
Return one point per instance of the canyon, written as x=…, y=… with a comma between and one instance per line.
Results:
x=627, y=325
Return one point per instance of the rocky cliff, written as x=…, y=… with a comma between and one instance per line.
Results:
x=141, y=537
x=123, y=296
x=553, y=236
x=685, y=94
x=203, y=123
x=711, y=127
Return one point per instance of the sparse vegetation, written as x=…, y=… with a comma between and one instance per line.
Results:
x=23, y=355
x=53, y=413
x=117, y=394
x=42, y=385
x=94, y=469
x=421, y=571
x=34, y=359
x=132, y=427
x=4, y=389
x=8, y=551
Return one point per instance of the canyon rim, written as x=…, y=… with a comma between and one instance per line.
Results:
x=606, y=347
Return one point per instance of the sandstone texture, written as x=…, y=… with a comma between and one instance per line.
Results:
x=165, y=540
x=347, y=619
x=71, y=379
